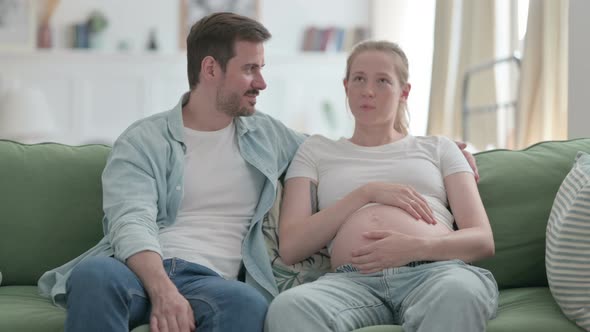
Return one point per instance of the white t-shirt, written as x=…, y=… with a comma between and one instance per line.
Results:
x=221, y=191
x=339, y=167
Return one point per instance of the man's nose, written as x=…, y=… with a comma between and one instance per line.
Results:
x=259, y=82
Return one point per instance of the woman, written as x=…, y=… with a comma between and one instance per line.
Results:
x=379, y=202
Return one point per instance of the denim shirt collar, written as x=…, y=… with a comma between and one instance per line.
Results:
x=176, y=126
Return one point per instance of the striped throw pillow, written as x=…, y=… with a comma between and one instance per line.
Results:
x=567, y=255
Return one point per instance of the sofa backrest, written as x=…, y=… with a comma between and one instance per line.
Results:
x=50, y=206
x=518, y=189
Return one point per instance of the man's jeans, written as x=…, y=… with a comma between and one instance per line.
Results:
x=103, y=294
x=439, y=296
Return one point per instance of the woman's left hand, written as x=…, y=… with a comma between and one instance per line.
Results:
x=390, y=249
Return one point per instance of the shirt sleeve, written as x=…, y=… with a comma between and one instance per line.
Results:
x=129, y=201
x=304, y=163
x=452, y=159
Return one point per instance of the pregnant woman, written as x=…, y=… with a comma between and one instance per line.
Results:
x=379, y=200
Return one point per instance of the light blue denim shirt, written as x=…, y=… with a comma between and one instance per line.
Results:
x=143, y=188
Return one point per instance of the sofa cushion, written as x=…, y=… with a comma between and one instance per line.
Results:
x=517, y=189
x=22, y=309
x=50, y=200
x=524, y=309
x=288, y=276
x=568, y=244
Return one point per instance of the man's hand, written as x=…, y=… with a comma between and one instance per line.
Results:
x=470, y=159
x=391, y=249
x=171, y=312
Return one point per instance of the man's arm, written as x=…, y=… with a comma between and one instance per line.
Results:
x=130, y=199
x=170, y=310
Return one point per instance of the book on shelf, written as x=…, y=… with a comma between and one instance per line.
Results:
x=331, y=39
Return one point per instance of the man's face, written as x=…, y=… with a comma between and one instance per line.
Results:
x=242, y=81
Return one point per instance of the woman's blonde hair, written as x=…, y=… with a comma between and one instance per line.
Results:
x=401, y=123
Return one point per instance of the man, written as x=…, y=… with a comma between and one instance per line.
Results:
x=184, y=195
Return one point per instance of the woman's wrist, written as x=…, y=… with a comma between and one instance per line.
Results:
x=366, y=192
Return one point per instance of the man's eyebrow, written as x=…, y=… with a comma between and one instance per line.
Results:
x=253, y=66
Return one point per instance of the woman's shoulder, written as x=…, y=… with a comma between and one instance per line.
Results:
x=434, y=141
x=318, y=140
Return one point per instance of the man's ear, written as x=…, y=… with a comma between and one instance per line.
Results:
x=208, y=67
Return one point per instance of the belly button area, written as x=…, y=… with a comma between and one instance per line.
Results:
x=375, y=219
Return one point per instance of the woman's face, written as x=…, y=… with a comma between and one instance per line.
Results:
x=374, y=89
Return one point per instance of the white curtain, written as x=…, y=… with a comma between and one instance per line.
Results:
x=544, y=74
x=464, y=37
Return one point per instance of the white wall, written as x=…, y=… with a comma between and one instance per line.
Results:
x=416, y=38
x=579, y=69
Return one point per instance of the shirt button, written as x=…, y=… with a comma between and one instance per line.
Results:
x=177, y=187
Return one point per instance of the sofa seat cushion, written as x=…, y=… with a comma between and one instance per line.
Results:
x=22, y=309
x=519, y=310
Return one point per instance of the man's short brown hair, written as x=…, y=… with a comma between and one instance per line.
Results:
x=215, y=35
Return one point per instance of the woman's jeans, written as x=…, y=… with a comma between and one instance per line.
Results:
x=103, y=294
x=438, y=296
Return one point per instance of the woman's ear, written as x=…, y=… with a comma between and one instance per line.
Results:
x=406, y=91
x=345, y=83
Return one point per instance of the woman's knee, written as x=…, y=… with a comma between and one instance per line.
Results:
x=467, y=288
x=293, y=305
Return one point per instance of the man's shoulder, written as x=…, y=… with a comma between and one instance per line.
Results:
x=271, y=126
x=261, y=120
x=150, y=127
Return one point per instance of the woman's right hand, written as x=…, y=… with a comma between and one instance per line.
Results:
x=401, y=196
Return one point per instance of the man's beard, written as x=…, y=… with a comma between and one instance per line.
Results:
x=230, y=104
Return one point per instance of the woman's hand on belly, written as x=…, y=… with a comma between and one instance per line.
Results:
x=403, y=197
x=388, y=249
x=381, y=236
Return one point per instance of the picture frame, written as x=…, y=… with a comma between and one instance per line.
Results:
x=18, y=25
x=193, y=10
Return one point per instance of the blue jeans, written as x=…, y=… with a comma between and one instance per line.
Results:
x=103, y=294
x=438, y=296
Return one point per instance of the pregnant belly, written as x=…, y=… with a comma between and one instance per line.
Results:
x=377, y=218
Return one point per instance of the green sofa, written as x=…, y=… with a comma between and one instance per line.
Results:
x=50, y=200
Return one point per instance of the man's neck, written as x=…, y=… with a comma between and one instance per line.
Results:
x=200, y=113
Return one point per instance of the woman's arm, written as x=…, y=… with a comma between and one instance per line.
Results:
x=473, y=241
x=304, y=230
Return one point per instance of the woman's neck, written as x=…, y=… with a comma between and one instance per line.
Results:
x=375, y=136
